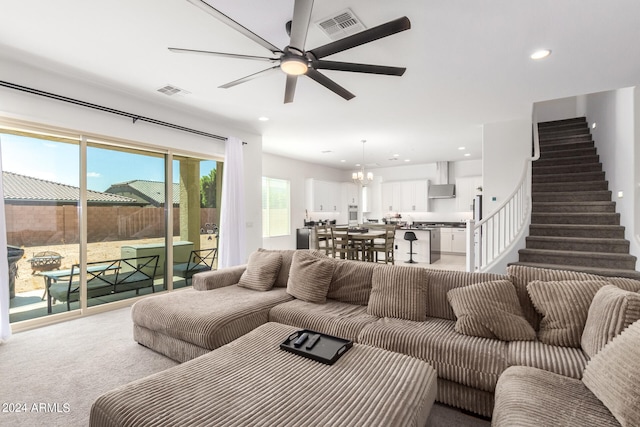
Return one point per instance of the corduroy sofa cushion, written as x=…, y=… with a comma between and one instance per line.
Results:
x=398, y=292
x=470, y=361
x=310, y=276
x=611, y=311
x=522, y=275
x=351, y=282
x=439, y=282
x=564, y=306
x=490, y=310
x=566, y=361
x=262, y=271
x=613, y=376
x=530, y=397
x=287, y=259
x=336, y=318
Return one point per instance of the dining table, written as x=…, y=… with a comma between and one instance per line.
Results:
x=361, y=237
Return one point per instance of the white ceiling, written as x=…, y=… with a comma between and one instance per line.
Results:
x=467, y=64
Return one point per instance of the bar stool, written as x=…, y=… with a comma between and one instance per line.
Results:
x=411, y=237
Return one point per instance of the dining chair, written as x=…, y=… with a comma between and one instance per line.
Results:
x=322, y=239
x=342, y=245
x=383, y=246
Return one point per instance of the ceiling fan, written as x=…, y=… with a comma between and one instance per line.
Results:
x=295, y=61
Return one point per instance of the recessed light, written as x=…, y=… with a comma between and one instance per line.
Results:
x=407, y=160
x=467, y=154
x=396, y=155
x=263, y=119
x=540, y=54
x=461, y=148
x=593, y=125
x=342, y=161
x=326, y=151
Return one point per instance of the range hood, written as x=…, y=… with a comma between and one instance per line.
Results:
x=442, y=191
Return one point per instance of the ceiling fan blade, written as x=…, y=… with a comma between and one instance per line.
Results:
x=227, y=55
x=300, y=23
x=290, y=88
x=250, y=77
x=233, y=24
x=358, y=68
x=329, y=84
x=366, y=36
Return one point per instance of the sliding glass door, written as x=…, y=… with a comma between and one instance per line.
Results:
x=89, y=221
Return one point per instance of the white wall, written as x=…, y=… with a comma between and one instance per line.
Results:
x=617, y=140
x=297, y=172
x=506, y=147
x=18, y=105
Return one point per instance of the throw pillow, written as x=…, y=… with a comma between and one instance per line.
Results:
x=283, y=275
x=310, y=276
x=564, y=306
x=613, y=376
x=611, y=311
x=490, y=310
x=398, y=292
x=262, y=271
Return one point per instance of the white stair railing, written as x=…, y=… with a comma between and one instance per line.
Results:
x=493, y=237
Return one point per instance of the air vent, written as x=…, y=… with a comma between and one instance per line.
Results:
x=171, y=90
x=340, y=25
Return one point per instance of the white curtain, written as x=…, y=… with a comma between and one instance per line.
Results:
x=232, y=217
x=5, y=328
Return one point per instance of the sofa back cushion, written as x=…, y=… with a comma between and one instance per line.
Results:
x=310, y=276
x=398, y=292
x=351, y=282
x=564, y=306
x=262, y=271
x=440, y=282
x=611, y=311
x=490, y=310
x=522, y=275
x=613, y=376
x=283, y=274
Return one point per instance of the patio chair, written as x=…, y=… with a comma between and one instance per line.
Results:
x=199, y=260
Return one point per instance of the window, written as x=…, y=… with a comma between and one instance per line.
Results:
x=275, y=207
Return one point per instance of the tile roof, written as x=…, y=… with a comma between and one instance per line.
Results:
x=29, y=189
x=150, y=191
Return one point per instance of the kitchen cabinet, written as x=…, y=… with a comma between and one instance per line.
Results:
x=391, y=193
x=453, y=240
x=405, y=196
x=349, y=194
x=322, y=196
x=466, y=190
x=414, y=196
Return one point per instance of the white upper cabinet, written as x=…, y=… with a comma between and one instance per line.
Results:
x=323, y=196
x=349, y=192
x=405, y=196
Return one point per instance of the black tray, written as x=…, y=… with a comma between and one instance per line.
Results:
x=327, y=349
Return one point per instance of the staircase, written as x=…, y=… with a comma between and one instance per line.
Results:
x=574, y=225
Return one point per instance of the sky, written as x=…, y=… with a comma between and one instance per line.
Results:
x=59, y=162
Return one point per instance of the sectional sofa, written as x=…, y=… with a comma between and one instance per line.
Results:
x=471, y=327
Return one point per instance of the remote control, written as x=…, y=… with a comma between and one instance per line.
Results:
x=301, y=339
x=312, y=341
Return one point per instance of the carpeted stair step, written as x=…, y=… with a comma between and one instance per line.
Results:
x=578, y=258
x=582, y=244
x=559, y=167
x=566, y=145
x=562, y=122
x=577, y=152
x=592, y=218
x=551, y=140
x=577, y=230
x=554, y=187
x=568, y=177
x=572, y=196
x=573, y=207
x=561, y=131
x=579, y=161
x=615, y=272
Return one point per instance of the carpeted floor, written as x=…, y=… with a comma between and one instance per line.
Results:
x=51, y=376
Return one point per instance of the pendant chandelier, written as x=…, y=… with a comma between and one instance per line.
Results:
x=360, y=177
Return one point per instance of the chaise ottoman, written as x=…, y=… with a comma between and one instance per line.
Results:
x=250, y=381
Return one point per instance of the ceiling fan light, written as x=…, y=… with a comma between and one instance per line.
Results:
x=294, y=66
